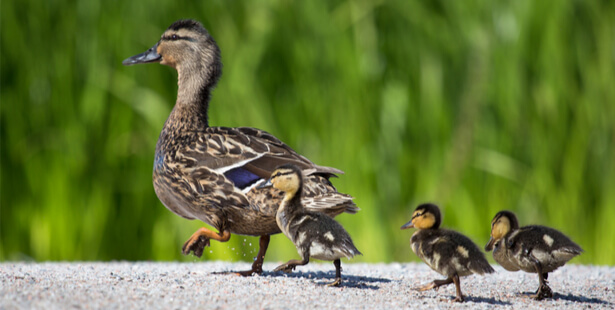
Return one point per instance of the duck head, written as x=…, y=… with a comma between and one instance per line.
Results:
x=503, y=222
x=287, y=178
x=425, y=216
x=187, y=47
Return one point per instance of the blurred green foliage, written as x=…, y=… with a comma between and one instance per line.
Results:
x=478, y=106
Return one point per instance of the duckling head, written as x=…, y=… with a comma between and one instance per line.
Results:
x=503, y=222
x=187, y=47
x=286, y=178
x=425, y=216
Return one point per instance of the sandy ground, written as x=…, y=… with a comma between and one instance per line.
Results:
x=146, y=285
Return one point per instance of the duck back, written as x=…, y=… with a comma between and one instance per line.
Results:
x=547, y=245
x=449, y=252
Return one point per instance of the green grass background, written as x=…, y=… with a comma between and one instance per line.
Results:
x=478, y=106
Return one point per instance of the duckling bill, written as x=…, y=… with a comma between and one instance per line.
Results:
x=534, y=249
x=211, y=173
x=447, y=252
x=314, y=234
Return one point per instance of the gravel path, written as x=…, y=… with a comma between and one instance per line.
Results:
x=145, y=285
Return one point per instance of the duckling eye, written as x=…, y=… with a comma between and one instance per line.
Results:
x=174, y=37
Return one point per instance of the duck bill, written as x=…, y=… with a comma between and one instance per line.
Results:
x=490, y=244
x=265, y=184
x=408, y=225
x=151, y=55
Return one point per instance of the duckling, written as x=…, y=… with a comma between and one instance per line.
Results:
x=314, y=234
x=533, y=249
x=212, y=173
x=445, y=251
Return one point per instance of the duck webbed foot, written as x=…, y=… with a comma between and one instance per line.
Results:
x=337, y=282
x=435, y=284
x=544, y=291
x=200, y=239
x=290, y=265
x=287, y=268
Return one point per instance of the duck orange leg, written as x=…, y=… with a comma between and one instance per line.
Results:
x=200, y=239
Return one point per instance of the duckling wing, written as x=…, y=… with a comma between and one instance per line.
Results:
x=547, y=245
x=329, y=203
x=449, y=252
x=501, y=254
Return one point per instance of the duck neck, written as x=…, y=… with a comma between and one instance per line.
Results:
x=293, y=200
x=291, y=203
x=195, y=83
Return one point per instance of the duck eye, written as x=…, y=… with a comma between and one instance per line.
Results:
x=174, y=37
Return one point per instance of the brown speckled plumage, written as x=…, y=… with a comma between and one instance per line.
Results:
x=211, y=173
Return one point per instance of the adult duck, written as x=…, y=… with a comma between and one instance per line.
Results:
x=212, y=173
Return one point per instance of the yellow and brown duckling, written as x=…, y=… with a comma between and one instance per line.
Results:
x=211, y=173
x=533, y=249
x=445, y=251
x=314, y=234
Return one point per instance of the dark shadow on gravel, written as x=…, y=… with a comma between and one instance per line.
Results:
x=475, y=299
x=486, y=300
x=572, y=298
x=583, y=299
x=324, y=278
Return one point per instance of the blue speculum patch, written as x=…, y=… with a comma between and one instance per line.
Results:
x=158, y=162
x=241, y=177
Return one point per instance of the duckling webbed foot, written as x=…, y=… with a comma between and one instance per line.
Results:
x=337, y=282
x=435, y=284
x=544, y=291
x=291, y=264
x=287, y=268
x=200, y=239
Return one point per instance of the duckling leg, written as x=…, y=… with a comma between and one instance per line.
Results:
x=544, y=291
x=338, y=273
x=545, y=276
x=435, y=284
x=200, y=239
x=291, y=264
x=257, y=266
x=459, y=297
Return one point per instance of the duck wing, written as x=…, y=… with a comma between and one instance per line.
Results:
x=245, y=155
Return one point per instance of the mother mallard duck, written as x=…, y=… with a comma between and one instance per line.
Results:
x=212, y=173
